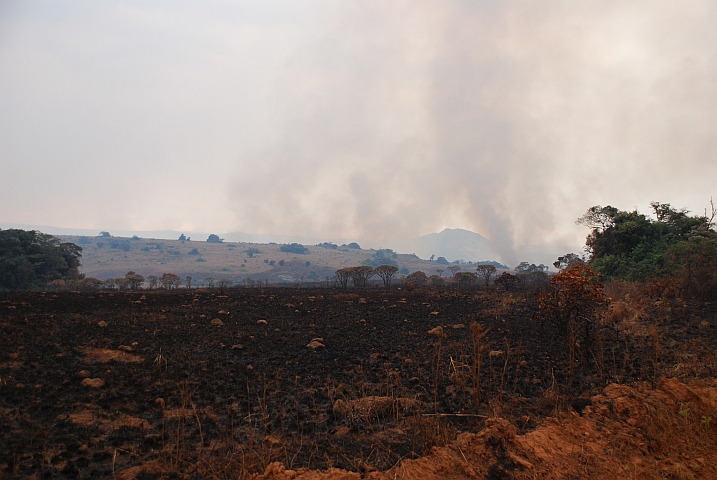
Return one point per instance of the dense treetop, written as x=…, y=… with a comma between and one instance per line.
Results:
x=31, y=259
x=631, y=246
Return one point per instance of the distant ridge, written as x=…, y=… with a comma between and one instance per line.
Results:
x=167, y=234
x=451, y=243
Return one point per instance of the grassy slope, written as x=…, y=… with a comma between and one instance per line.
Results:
x=223, y=260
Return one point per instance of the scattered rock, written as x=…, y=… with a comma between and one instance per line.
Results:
x=84, y=374
x=261, y=322
x=102, y=324
x=160, y=402
x=438, y=331
x=223, y=312
x=458, y=326
x=237, y=346
x=125, y=348
x=316, y=343
x=93, y=382
x=217, y=322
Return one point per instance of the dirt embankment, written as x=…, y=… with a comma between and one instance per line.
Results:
x=624, y=432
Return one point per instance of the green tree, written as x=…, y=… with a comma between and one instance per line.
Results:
x=294, y=248
x=566, y=261
x=31, y=259
x=631, y=246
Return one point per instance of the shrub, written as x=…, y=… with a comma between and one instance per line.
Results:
x=294, y=248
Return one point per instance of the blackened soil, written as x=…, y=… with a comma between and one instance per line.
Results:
x=250, y=390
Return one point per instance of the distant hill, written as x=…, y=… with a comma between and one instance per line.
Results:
x=168, y=234
x=451, y=243
x=113, y=257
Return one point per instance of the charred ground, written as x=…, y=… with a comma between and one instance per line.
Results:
x=162, y=379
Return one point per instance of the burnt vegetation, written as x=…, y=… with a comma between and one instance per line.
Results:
x=222, y=381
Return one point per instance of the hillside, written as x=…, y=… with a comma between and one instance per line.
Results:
x=112, y=257
x=451, y=243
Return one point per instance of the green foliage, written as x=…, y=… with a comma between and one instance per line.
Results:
x=352, y=245
x=120, y=244
x=491, y=262
x=382, y=257
x=213, y=238
x=631, y=246
x=193, y=251
x=30, y=259
x=294, y=248
x=250, y=252
x=442, y=261
x=330, y=245
x=526, y=267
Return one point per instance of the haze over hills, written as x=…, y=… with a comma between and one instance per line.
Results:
x=451, y=243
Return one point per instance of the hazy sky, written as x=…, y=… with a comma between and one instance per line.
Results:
x=363, y=120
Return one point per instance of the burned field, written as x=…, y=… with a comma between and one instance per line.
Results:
x=224, y=383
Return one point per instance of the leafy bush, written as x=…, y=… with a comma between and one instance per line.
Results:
x=122, y=244
x=294, y=248
x=382, y=257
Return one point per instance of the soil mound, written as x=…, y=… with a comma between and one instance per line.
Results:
x=626, y=432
